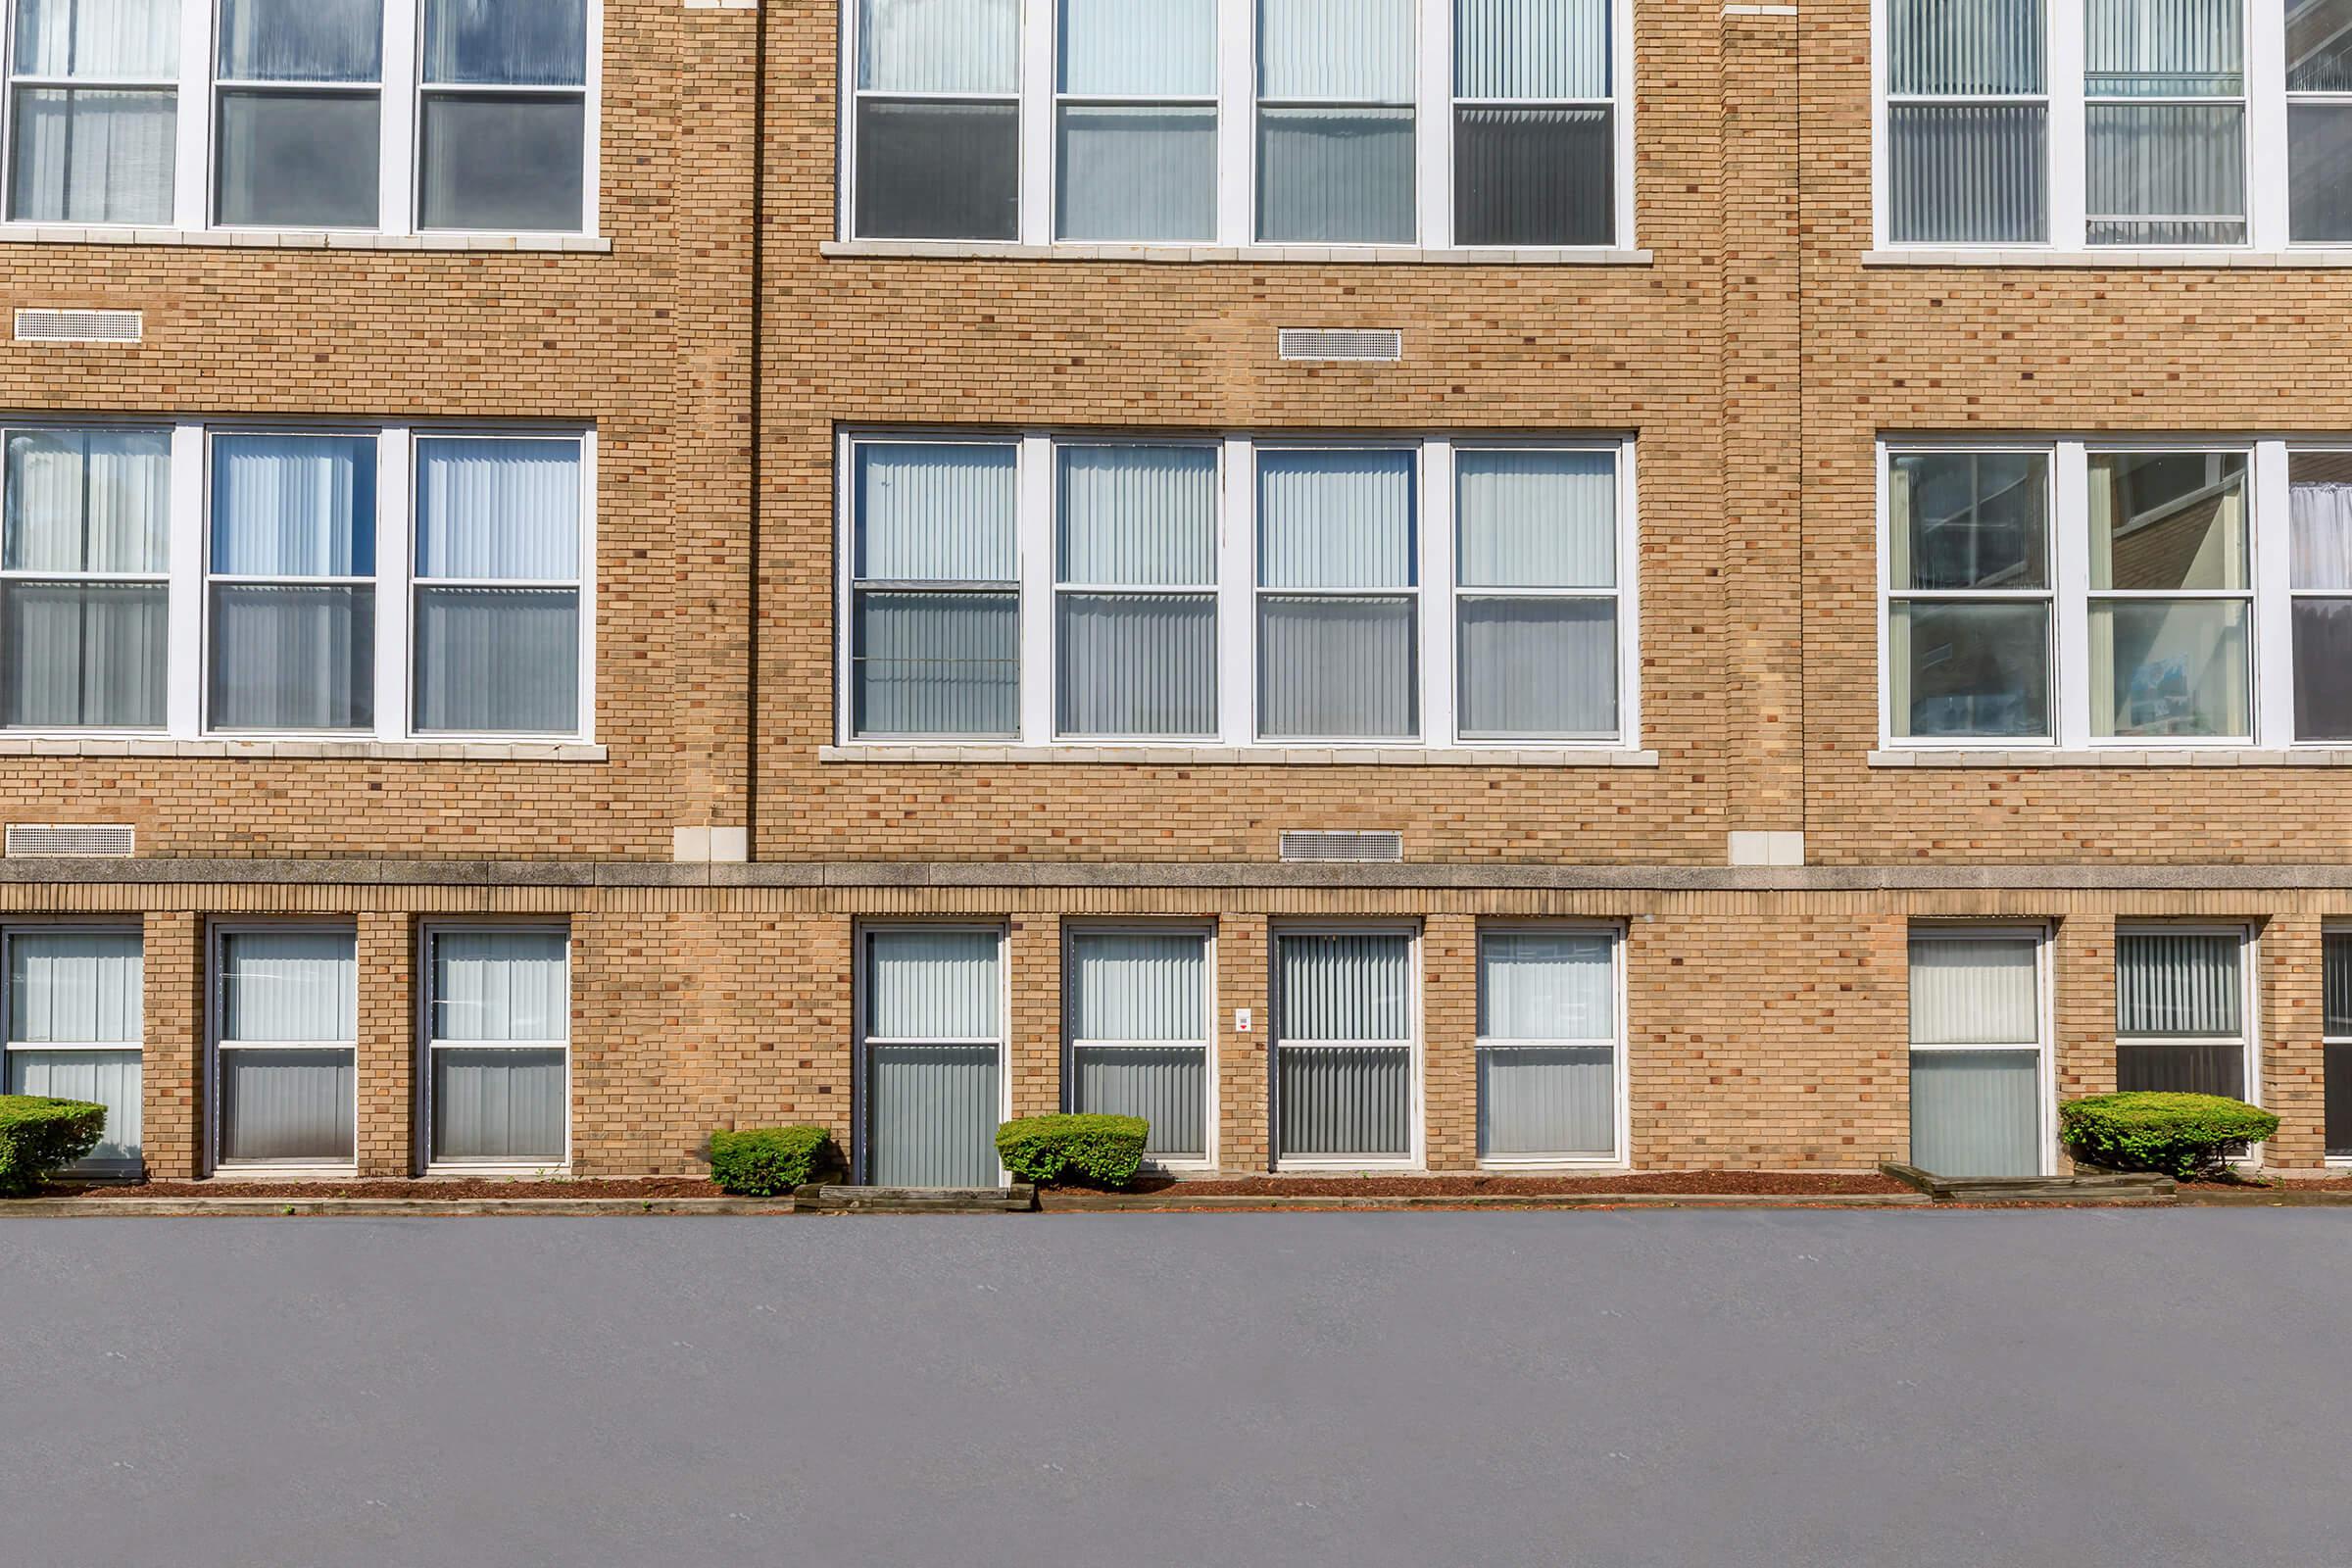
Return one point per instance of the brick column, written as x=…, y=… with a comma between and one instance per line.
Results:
x=1034, y=951
x=1449, y=1041
x=1245, y=1141
x=2294, y=1074
x=2086, y=1006
x=388, y=1144
x=172, y=1066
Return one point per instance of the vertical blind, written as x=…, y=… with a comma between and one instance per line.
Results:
x=288, y=1106
x=932, y=1106
x=124, y=40
x=939, y=45
x=1975, y=1112
x=1138, y=664
x=497, y=660
x=294, y=506
x=1129, y=986
x=1555, y=1101
x=934, y=985
x=1336, y=175
x=84, y=654
x=1359, y=51
x=2177, y=983
x=499, y=1106
x=1536, y=667
x=1346, y=987
x=1973, y=991
x=498, y=509
x=289, y=985
x=1963, y=172
x=1546, y=985
x=1531, y=49
x=302, y=40
x=1119, y=49
x=93, y=156
x=89, y=501
x=1336, y=667
x=1132, y=171
x=936, y=664
x=1137, y=516
x=501, y=986
x=1965, y=48
x=2164, y=48
x=282, y=1103
x=539, y=43
x=941, y=513
x=76, y=987
x=1536, y=519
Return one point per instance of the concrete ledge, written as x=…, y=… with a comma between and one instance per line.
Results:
x=2115, y=757
x=1342, y=255
x=1019, y=1198
x=1248, y=756
x=300, y=239
x=2116, y=259
x=313, y=749
x=378, y=1207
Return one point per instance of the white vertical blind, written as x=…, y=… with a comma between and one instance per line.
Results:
x=89, y=501
x=76, y=987
x=1137, y=516
x=934, y=985
x=125, y=40
x=942, y=513
x=1968, y=173
x=1336, y=669
x=302, y=40
x=82, y=656
x=1546, y=985
x=1355, y=986
x=1138, y=48
x=93, y=156
x=1136, y=171
x=287, y=1106
x=1335, y=519
x=939, y=45
x=1536, y=519
x=1341, y=1102
x=289, y=985
x=499, y=1106
x=2177, y=983
x=1549, y=49
x=1165, y=1085
x=1350, y=50
x=1557, y=1100
x=1975, y=1112
x=932, y=1115
x=1538, y=669
x=501, y=985
x=1966, y=48
x=2165, y=48
x=540, y=43
x=498, y=509
x=1336, y=175
x=1136, y=666
x=1970, y=991
x=294, y=506
x=1138, y=985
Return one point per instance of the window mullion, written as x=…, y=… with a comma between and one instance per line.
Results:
x=396, y=198
x=1435, y=493
x=395, y=607
x=2070, y=550
x=2068, y=174
x=192, y=162
x=2272, y=617
x=1237, y=119
x=1237, y=596
x=185, y=600
x=1036, y=225
x=1033, y=537
x=2267, y=150
x=1433, y=128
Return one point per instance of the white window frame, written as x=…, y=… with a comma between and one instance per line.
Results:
x=2045, y=1065
x=2337, y=931
x=2249, y=995
x=861, y=1142
x=189, y=579
x=400, y=92
x=215, y=1042
x=9, y=1045
x=1417, y=1157
x=1236, y=105
x=1621, y=1156
x=1237, y=593
x=1206, y=931
x=2066, y=177
x=427, y=1045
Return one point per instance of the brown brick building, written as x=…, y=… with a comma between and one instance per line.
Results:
x=1397, y=583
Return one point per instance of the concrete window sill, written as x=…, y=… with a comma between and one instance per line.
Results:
x=2119, y=757
x=321, y=750
x=1244, y=756
x=2118, y=258
x=1376, y=255
x=298, y=239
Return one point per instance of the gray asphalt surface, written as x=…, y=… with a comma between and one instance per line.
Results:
x=2077, y=1388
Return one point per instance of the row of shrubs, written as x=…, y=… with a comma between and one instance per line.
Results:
x=1050, y=1151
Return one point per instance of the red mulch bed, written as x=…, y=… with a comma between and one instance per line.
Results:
x=425, y=1188
x=1760, y=1183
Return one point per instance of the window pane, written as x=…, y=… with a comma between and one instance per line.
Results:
x=2320, y=511
x=1536, y=520
x=76, y=987
x=2336, y=970
x=1965, y=48
x=2319, y=172
x=108, y=1078
x=1968, y=173
x=2169, y=667
x=2338, y=1091
x=2176, y=982
x=1970, y=520
x=1127, y=985
x=1119, y=49
x=1546, y=985
x=293, y=657
x=289, y=985
x=1142, y=666
x=87, y=501
x=939, y=45
x=1165, y=1085
x=938, y=512
x=133, y=40
x=501, y=163
x=937, y=664
x=1349, y=986
x=1531, y=48
x=2324, y=669
x=294, y=506
x=501, y=985
x=2164, y=48
x=291, y=1106
x=2166, y=173
x=2318, y=46
x=1547, y=1100
x=932, y=1115
x=1359, y=50
x=302, y=40
x=75, y=656
x=1969, y=669
x=1975, y=1112
x=2182, y=1070
x=499, y=1106
x=2163, y=520
x=1534, y=177
x=1335, y=519
x=498, y=509
x=532, y=44
x=1137, y=516
x=1538, y=669
x=296, y=160
x=1336, y=175
x=1336, y=670
x=493, y=660
x=1973, y=991
x=938, y=170
x=1341, y=1101
x=934, y=985
x=1138, y=174
x=93, y=156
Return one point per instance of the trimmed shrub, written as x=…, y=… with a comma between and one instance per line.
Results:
x=1077, y=1150
x=38, y=1136
x=2181, y=1134
x=770, y=1162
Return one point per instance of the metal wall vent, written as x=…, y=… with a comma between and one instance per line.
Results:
x=80, y=327
x=1332, y=846
x=1321, y=343
x=98, y=838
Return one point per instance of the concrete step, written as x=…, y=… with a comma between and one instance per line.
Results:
x=2085, y=1188
x=1018, y=1198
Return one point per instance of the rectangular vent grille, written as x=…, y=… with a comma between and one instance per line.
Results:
x=101, y=838
x=1322, y=845
x=80, y=327
x=1319, y=343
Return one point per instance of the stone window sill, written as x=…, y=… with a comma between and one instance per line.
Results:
x=298, y=239
x=2120, y=756
x=322, y=749
x=1377, y=254
x=1244, y=756
x=2117, y=259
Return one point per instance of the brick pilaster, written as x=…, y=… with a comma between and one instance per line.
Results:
x=1449, y=1039
x=172, y=1070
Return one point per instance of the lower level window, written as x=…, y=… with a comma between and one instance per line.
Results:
x=1343, y=1038
x=2181, y=1015
x=499, y=1013
x=74, y=1009
x=1138, y=1025
x=1548, y=1054
x=932, y=1052
x=1977, y=1102
x=287, y=1002
x=2338, y=1048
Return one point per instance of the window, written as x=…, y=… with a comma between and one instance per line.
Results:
x=1968, y=119
x=390, y=116
x=292, y=617
x=76, y=1005
x=2337, y=963
x=286, y=1032
x=1234, y=593
x=931, y=1056
x=1347, y=1078
x=498, y=1011
x=2182, y=1018
x=1968, y=608
x=2321, y=498
x=2170, y=607
x=1550, y=1073
x=1978, y=1106
x=1238, y=122
x=1138, y=1023
x=498, y=596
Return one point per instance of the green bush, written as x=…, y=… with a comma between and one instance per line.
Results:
x=1085, y=1151
x=770, y=1161
x=2178, y=1134
x=38, y=1136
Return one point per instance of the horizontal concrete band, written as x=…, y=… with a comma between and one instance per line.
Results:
x=2283, y=877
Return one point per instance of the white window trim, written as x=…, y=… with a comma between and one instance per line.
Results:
x=2249, y=993
x=427, y=1045
x=1416, y=1157
x=1238, y=738
x=1237, y=104
x=2266, y=148
x=1621, y=1156
x=394, y=582
x=214, y=1011
x=401, y=90
x=1206, y=931
x=2341, y=931
x=862, y=1150
x=2045, y=1078
x=128, y=1047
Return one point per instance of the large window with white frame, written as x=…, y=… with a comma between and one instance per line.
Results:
x=285, y=1041
x=1438, y=123
x=1550, y=1058
x=75, y=1004
x=498, y=1030
x=1347, y=1009
x=377, y=583
x=2184, y=1011
x=2336, y=1046
x=1136, y=1013
x=2091, y=594
x=394, y=116
x=2130, y=124
x=1236, y=592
